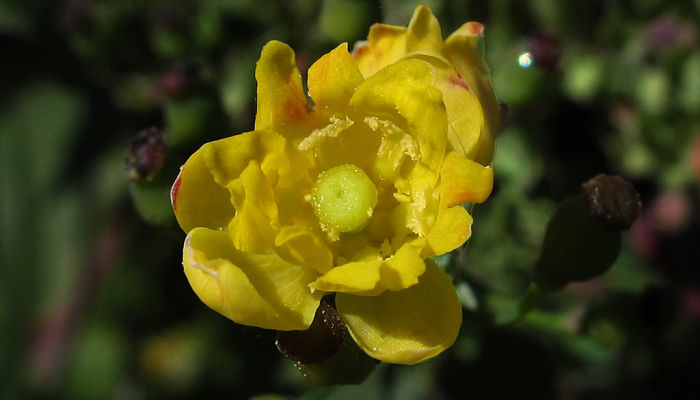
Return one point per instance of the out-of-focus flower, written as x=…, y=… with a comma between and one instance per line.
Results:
x=667, y=32
x=671, y=212
x=644, y=237
x=172, y=359
x=690, y=297
x=351, y=195
x=545, y=49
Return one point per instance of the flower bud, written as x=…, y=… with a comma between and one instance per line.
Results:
x=324, y=353
x=147, y=151
x=576, y=247
x=349, y=366
x=583, y=237
x=150, y=172
x=319, y=342
x=611, y=201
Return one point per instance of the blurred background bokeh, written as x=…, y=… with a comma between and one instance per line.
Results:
x=93, y=301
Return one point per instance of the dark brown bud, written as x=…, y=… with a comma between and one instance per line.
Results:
x=147, y=151
x=611, y=201
x=319, y=342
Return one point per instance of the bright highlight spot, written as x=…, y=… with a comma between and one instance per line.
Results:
x=526, y=59
x=343, y=198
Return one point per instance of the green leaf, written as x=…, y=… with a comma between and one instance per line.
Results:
x=689, y=87
x=45, y=119
x=98, y=364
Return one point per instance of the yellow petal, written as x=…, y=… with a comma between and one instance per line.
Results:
x=406, y=87
x=407, y=326
x=333, y=78
x=452, y=228
x=301, y=245
x=281, y=98
x=285, y=169
x=463, y=180
x=423, y=31
x=464, y=115
x=196, y=197
x=251, y=289
x=256, y=222
x=461, y=49
x=403, y=269
x=283, y=165
x=385, y=45
x=226, y=158
x=357, y=277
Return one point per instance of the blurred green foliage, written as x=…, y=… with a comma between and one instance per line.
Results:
x=93, y=302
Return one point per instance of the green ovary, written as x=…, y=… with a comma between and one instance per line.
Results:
x=343, y=198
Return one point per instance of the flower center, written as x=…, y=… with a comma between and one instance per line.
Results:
x=343, y=198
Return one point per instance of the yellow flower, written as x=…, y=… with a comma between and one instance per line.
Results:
x=458, y=65
x=349, y=196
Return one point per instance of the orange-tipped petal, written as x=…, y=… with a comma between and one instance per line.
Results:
x=462, y=52
x=333, y=79
x=281, y=98
x=463, y=180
